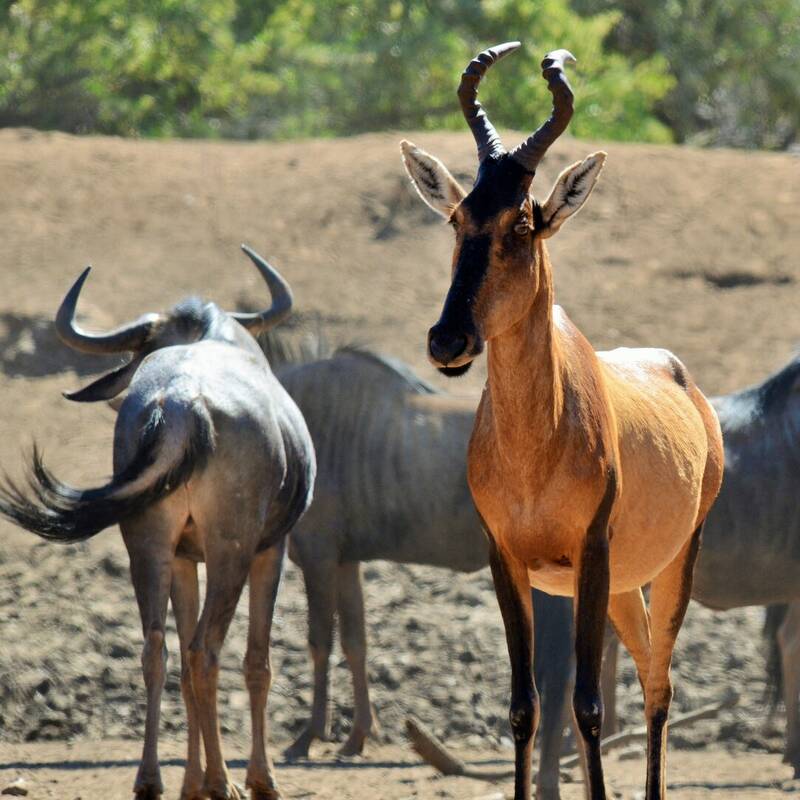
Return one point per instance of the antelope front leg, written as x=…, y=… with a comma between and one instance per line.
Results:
x=669, y=597
x=514, y=597
x=591, y=605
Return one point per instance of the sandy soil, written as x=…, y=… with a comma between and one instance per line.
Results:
x=692, y=250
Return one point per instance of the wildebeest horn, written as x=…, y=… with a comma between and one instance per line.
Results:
x=281, y=298
x=531, y=151
x=486, y=137
x=128, y=337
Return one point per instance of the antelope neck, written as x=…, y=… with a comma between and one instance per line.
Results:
x=525, y=376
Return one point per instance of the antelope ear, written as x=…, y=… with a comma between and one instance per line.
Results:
x=436, y=186
x=570, y=191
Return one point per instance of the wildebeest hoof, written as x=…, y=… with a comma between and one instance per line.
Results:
x=299, y=748
x=354, y=746
x=152, y=791
x=148, y=787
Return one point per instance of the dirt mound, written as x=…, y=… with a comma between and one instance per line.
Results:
x=691, y=250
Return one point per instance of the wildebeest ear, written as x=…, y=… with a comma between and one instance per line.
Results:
x=110, y=385
x=570, y=191
x=436, y=186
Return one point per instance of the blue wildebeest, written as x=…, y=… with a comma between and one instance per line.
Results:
x=212, y=462
x=391, y=485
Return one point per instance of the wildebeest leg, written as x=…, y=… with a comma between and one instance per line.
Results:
x=591, y=606
x=265, y=575
x=226, y=573
x=514, y=597
x=319, y=573
x=354, y=644
x=553, y=676
x=789, y=643
x=669, y=598
x=186, y=607
x=608, y=683
x=151, y=572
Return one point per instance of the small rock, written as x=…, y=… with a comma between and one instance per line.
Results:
x=16, y=788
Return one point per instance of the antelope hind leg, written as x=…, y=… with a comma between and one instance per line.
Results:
x=669, y=598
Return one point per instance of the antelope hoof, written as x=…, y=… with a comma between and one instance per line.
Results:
x=261, y=789
x=226, y=791
x=257, y=793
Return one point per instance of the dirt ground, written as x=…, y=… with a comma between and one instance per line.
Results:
x=692, y=250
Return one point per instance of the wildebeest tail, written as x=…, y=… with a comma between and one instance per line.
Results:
x=773, y=619
x=171, y=447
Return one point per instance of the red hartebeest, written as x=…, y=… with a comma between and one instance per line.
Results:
x=593, y=472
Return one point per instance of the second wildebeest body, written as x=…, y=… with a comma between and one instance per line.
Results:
x=750, y=554
x=391, y=484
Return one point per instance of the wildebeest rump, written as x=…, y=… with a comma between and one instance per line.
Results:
x=212, y=462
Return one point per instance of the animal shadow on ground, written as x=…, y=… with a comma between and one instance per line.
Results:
x=29, y=348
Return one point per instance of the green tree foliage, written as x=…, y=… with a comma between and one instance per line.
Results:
x=736, y=65
x=283, y=68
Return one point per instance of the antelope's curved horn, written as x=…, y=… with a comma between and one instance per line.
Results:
x=128, y=337
x=486, y=137
x=531, y=151
x=281, y=298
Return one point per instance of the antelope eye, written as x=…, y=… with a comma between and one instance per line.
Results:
x=522, y=227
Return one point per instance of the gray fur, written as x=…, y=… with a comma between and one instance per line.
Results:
x=212, y=462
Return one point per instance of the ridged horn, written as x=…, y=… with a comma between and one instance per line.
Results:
x=128, y=337
x=532, y=150
x=281, y=298
x=486, y=137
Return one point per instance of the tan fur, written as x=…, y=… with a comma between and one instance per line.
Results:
x=560, y=426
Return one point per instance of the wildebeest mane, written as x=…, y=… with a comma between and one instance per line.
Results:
x=284, y=350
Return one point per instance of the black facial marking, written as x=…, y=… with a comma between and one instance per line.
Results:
x=470, y=272
x=501, y=184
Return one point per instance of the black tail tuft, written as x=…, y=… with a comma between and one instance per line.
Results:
x=55, y=511
x=773, y=619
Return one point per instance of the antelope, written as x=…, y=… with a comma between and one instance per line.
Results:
x=212, y=462
x=592, y=472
